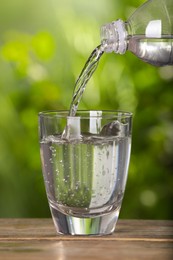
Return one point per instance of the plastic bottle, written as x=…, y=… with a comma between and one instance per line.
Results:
x=148, y=33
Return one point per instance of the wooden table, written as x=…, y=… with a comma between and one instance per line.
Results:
x=28, y=239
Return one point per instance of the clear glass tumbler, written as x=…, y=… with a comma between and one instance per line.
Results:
x=85, y=162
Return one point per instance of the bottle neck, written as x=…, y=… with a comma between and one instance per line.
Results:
x=114, y=37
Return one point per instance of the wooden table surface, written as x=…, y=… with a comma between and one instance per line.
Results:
x=28, y=239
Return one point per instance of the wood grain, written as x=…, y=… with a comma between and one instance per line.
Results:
x=133, y=239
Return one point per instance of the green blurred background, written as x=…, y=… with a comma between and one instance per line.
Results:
x=43, y=47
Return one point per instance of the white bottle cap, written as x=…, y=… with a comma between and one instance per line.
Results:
x=113, y=36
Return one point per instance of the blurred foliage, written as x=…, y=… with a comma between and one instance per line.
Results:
x=43, y=47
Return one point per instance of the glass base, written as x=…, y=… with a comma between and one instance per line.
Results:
x=98, y=225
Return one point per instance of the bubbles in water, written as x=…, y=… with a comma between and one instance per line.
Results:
x=51, y=160
x=52, y=149
x=94, y=186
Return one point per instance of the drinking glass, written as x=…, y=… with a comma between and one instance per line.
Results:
x=85, y=160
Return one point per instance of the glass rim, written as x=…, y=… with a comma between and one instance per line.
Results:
x=83, y=114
